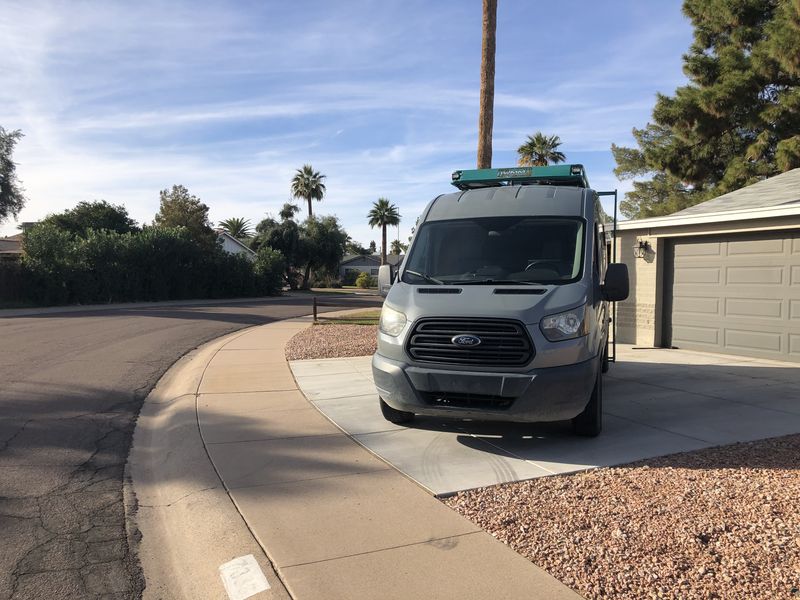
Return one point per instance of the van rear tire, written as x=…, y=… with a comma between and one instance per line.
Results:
x=590, y=422
x=605, y=362
x=395, y=416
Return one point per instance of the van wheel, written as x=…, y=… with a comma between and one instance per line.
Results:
x=395, y=416
x=590, y=422
x=605, y=362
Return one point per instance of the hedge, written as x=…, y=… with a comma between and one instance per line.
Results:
x=154, y=264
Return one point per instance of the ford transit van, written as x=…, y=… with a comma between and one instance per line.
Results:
x=500, y=310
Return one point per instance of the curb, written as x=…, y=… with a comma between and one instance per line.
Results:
x=182, y=520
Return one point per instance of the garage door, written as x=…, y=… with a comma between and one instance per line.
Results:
x=737, y=294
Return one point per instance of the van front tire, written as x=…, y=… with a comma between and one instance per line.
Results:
x=395, y=416
x=590, y=422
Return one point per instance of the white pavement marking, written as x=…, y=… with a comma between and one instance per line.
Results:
x=242, y=577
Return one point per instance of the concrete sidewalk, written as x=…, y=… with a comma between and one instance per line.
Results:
x=335, y=521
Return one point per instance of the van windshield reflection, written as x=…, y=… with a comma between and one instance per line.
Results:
x=497, y=251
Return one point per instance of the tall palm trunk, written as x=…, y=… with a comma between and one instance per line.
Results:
x=486, y=115
x=309, y=205
x=383, y=247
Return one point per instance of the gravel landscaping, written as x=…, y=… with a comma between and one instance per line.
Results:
x=332, y=341
x=716, y=523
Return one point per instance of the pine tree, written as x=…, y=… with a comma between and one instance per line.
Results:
x=736, y=122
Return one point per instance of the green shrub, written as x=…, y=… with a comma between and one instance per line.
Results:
x=365, y=281
x=350, y=277
x=269, y=268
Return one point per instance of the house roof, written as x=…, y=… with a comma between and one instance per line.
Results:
x=392, y=259
x=777, y=196
x=775, y=191
x=11, y=244
x=227, y=235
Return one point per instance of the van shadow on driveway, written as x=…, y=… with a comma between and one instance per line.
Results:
x=657, y=402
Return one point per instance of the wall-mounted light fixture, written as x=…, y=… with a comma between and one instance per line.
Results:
x=641, y=248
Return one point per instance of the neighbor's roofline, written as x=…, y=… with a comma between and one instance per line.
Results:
x=230, y=237
x=744, y=214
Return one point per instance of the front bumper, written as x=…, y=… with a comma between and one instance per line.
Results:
x=550, y=394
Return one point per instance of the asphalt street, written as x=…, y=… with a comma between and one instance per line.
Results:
x=71, y=386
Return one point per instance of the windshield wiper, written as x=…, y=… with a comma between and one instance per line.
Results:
x=427, y=278
x=494, y=282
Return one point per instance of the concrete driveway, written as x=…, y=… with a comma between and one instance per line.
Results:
x=657, y=402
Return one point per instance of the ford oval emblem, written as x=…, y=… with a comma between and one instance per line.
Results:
x=466, y=340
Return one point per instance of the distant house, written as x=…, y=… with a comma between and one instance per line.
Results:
x=367, y=263
x=233, y=246
x=11, y=247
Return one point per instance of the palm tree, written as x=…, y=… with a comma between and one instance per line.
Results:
x=236, y=227
x=397, y=247
x=486, y=110
x=288, y=211
x=540, y=150
x=307, y=184
x=383, y=213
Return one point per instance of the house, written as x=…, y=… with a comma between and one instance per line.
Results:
x=367, y=263
x=11, y=247
x=233, y=246
x=721, y=276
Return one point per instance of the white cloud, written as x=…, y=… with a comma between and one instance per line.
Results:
x=119, y=100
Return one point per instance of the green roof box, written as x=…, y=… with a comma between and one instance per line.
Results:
x=569, y=175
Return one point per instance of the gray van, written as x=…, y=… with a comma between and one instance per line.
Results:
x=500, y=310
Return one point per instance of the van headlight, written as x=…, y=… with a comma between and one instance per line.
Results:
x=566, y=325
x=392, y=321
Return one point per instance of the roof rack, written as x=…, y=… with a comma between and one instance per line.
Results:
x=568, y=175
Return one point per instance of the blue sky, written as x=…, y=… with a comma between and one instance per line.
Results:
x=118, y=100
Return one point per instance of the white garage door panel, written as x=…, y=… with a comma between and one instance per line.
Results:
x=755, y=275
x=700, y=306
x=738, y=294
x=752, y=340
x=698, y=275
x=755, y=247
x=743, y=307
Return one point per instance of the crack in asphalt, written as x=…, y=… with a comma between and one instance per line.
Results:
x=19, y=431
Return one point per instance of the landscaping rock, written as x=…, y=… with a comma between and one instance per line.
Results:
x=332, y=341
x=715, y=523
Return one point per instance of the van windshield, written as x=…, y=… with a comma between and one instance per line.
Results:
x=497, y=250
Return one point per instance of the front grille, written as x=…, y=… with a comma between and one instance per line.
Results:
x=466, y=400
x=504, y=343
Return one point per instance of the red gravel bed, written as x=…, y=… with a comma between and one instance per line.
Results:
x=720, y=523
x=332, y=341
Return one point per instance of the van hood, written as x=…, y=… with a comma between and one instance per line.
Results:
x=488, y=301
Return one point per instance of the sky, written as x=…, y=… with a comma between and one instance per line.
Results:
x=118, y=100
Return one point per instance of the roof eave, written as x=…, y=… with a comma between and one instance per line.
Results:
x=782, y=210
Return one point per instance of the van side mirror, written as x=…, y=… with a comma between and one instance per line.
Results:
x=385, y=278
x=616, y=285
